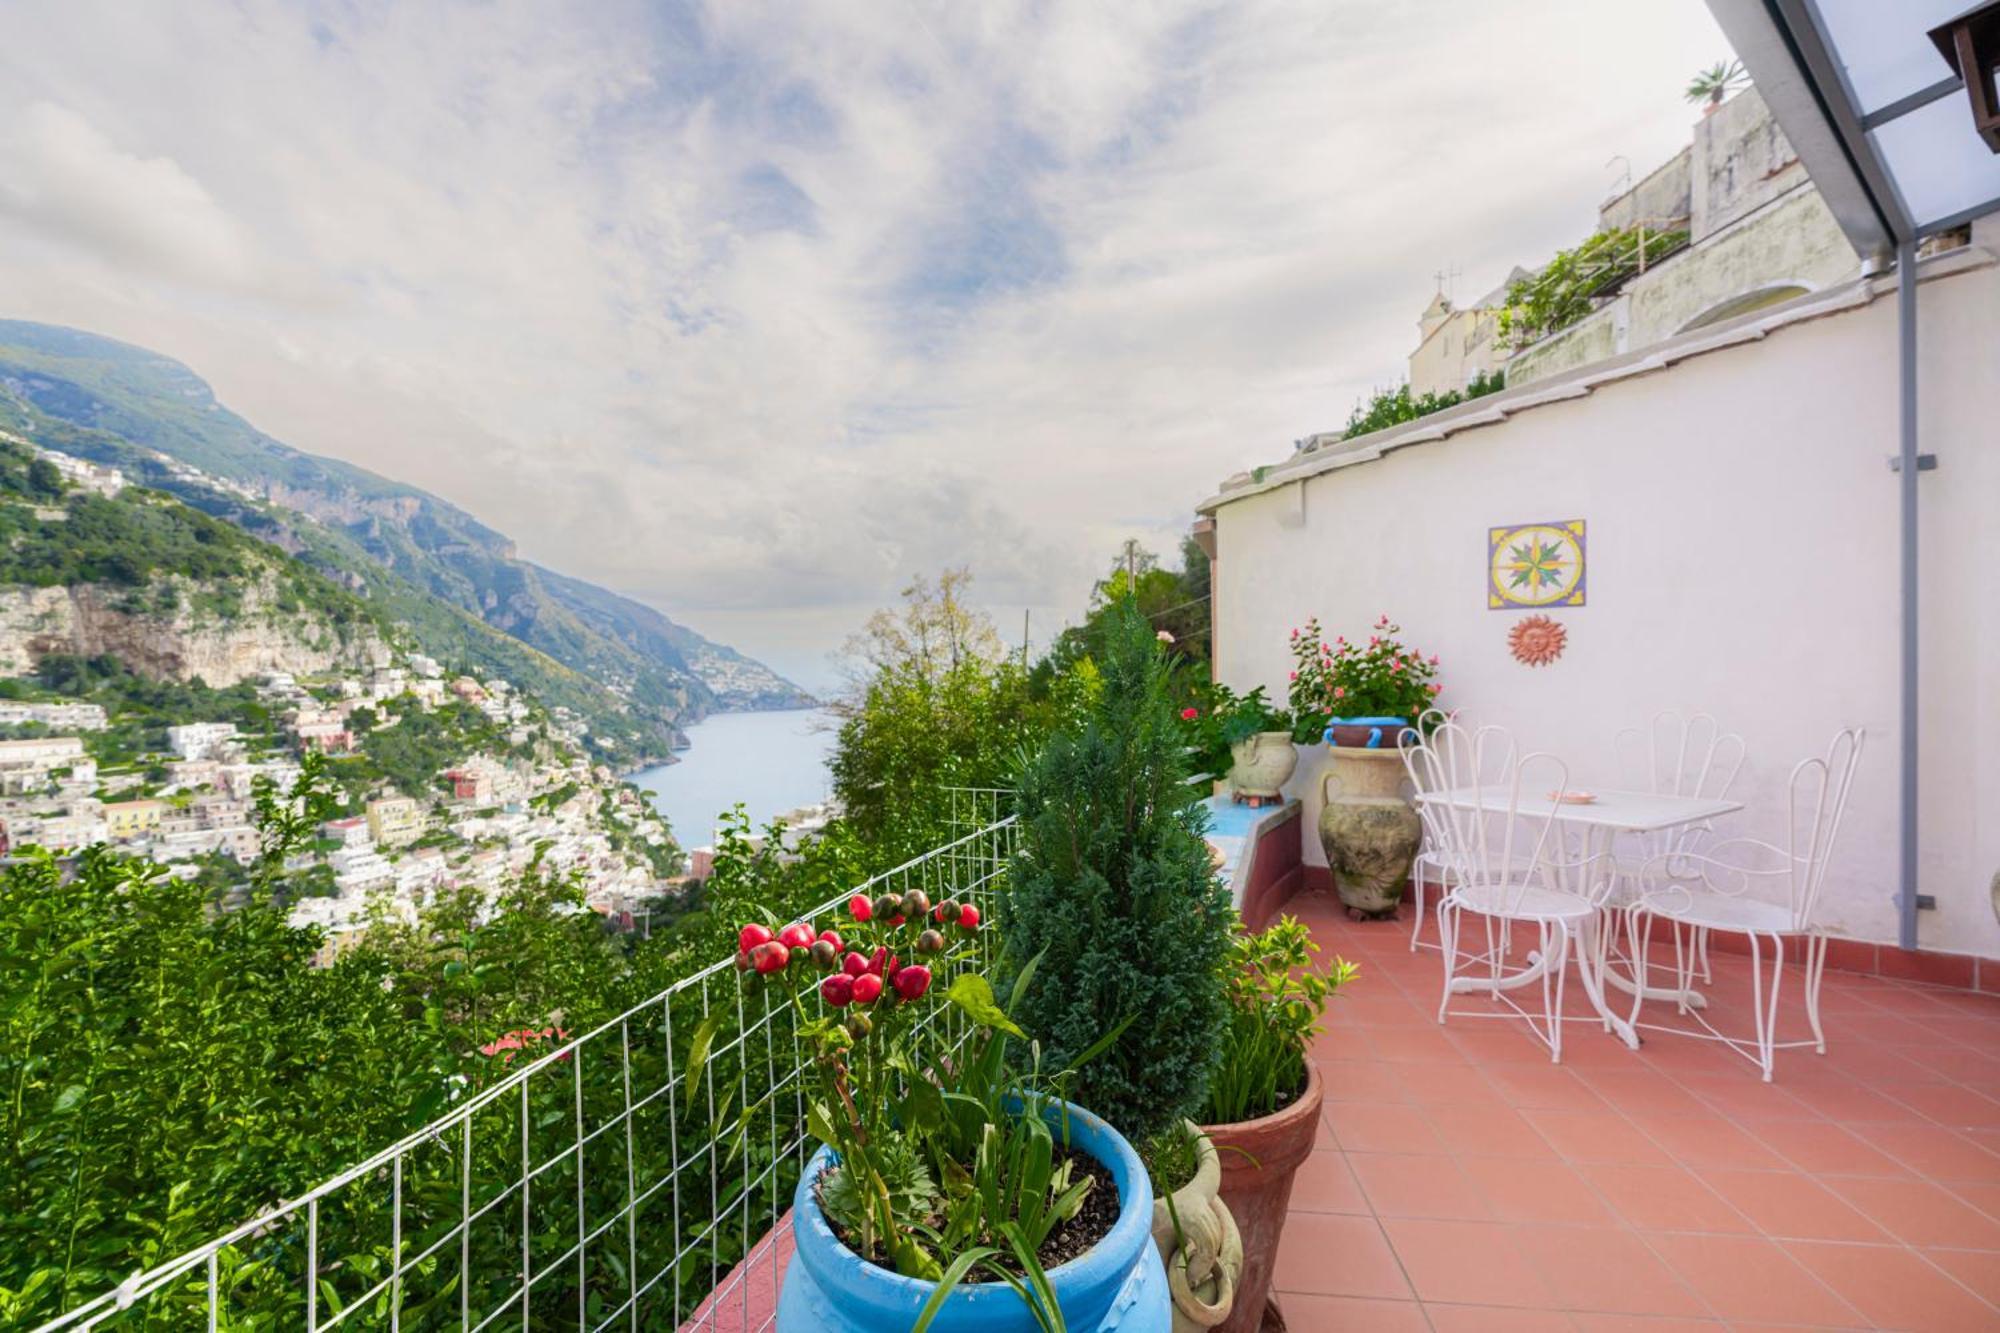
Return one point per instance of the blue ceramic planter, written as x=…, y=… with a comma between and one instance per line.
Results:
x=1366, y=732
x=1119, y=1285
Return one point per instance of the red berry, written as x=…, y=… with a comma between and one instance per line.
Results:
x=860, y=908
x=796, y=936
x=867, y=988
x=913, y=981
x=837, y=990
x=753, y=935
x=770, y=956
x=854, y=965
x=831, y=938
x=968, y=917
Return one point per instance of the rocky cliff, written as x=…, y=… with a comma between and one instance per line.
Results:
x=254, y=637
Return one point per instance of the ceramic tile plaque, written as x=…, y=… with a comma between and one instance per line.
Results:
x=1535, y=565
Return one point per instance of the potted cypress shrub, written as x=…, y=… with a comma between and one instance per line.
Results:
x=939, y=1161
x=1264, y=1100
x=1112, y=889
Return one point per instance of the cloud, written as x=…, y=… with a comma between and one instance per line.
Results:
x=60, y=174
x=755, y=309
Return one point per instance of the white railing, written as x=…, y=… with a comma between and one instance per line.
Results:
x=594, y=1187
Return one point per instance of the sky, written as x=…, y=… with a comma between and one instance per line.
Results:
x=753, y=310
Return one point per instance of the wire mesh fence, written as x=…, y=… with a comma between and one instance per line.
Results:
x=633, y=1177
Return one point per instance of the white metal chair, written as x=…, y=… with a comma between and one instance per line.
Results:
x=1506, y=867
x=1709, y=890
x=1431, y=865
x=1674, y=755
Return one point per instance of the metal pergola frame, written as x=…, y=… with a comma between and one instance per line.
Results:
x=1787, y=48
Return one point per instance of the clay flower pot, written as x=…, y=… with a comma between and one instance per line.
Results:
x=1261, y=764
x=1258, y=1160
x=1199, y=1243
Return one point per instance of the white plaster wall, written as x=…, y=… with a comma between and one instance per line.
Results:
x=1742, y=560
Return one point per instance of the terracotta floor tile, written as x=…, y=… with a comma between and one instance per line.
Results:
x=1820, y=1147
x=1419, y=1045
x=1446, y=1085
x=1850, y=1103
x=1943, y=1155
x=1309, y=1313
x=1643, y=1092
x=1381, y=1127
x=1895, y=1287
x=1788, y=1206
x=1708, y=1141
x=1329, y=1255
x=1486, y=1043
x=1949, y=1104
x=1402, y=1185
x=1747, y=1100
x=1664, y=1198
x=1588, y=1136
x=1642, y=1323
x=1750, y=1278
x=1607, y=1269
x=1495, y=1319
x=1986, y=1198
x=1324, y=1184
x=1467, y=1263
x=1974, y=1269
x=1360, y=1081
x=1921, y=1213
x=1543, y=1085
x=1527, y=1191
x=1477, y=1131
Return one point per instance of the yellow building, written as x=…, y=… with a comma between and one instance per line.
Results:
x=133, y=819
x=395, y=820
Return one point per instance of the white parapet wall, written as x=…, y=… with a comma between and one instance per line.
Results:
x=1742, y=541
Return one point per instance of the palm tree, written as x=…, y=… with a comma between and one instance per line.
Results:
x=1716, y=82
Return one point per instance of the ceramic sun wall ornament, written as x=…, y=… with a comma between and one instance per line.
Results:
x=1536, y=640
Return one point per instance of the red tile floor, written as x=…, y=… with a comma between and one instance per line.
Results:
x=1465, y=1182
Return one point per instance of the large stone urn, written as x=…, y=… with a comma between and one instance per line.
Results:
x=1262, y=764
x=1199, y=1243
x=1369, y=831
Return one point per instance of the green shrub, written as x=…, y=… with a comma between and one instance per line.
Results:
x=1276, y=998
x=1112, y=888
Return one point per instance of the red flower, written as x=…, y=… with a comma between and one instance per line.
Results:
x=860, y=908
x=867, y=988
x=968, y=917
x=796, y=936
x=837, y=990
x=751, y=936
x=912, y=981
x=1190, y=714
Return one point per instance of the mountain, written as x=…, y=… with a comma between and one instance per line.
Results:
x=401, y=549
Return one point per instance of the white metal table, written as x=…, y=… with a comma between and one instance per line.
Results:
x=1598, y=822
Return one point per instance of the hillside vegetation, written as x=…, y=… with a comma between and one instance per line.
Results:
x=393, y=544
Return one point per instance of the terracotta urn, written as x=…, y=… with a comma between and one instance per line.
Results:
x=1198, y=1241
x=1258, y=1160
x=1369, y=832
x=1262, y=764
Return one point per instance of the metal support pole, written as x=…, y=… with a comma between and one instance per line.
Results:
x=1906, y=481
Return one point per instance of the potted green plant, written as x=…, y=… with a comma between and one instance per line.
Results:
x=1244, y=739
x=1373, y=696
x=941, y=1161
x=1262, y=1111
x=1112, y=888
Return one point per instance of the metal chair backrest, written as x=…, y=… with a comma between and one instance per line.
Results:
x=1486, y=849
x=1816, y=800
x=1680, y=756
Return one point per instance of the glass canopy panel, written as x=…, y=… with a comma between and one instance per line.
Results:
x=1939, y=165
x=1883, y=46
